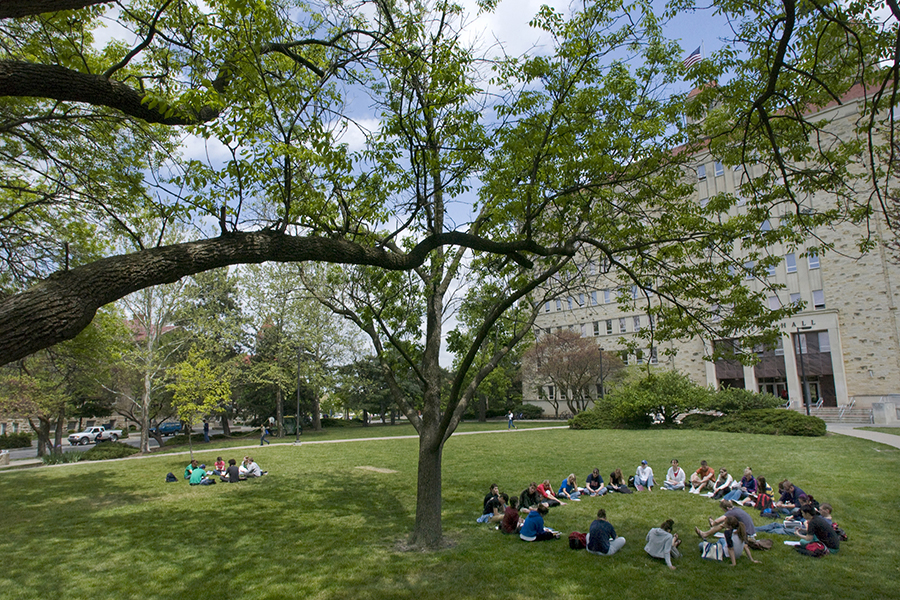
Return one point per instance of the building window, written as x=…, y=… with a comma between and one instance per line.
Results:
x=592, y=267
x=3, y=428
x=818, y=299
x=624, y=356
x=704, y=202
x=596, y=327
x=558, y=304
x=594, y=298
x=637, y=323
x=774, y=303
x=790, y=262
x=770, y=270
x=547, y=307
x=654, y=356
x=609, y=327
x=580, y=299
x=748, y=269
x=634, y=292
x=606, y=295
x=765, y=226
x=800, y=343
x=622, y=327
x=639, y=355
x=720, y=170
x=547, y=331
x=584, y=330
x=795, y=299
x=569, y=302
x=551, y=393
x=813, y=260
x=701, y=172
x=824, y=342
x=650, y=321
x=779, y=349
x=599, y=390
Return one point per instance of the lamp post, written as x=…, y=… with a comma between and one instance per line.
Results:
x=803, y=382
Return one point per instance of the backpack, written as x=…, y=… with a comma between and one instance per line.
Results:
x=815, y=549
x=840, y=532
x=764, y=502
x=170, y=478
x=577, y=540
x=631, y=481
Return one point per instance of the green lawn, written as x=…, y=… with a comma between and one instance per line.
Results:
x=317, y=527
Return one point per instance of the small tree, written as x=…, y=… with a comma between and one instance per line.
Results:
x=198, y=390
x=575, y=365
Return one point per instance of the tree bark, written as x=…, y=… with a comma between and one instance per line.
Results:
x=24, y=79
x=23, y=8
x=145, y=413
x=59, y=307
x=279, y=411
x=428, y=531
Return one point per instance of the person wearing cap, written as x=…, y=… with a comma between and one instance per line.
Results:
x=643, y=477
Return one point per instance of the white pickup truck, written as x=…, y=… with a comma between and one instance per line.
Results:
x=94, y=434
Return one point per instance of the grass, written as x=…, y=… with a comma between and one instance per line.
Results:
x=890, y=430
x=317, y=527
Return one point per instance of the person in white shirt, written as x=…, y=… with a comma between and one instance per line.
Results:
x=674, y=477
x=643, y=477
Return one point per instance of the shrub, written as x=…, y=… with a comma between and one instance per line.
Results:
x=330, y=422
x=107, y=450
x=22, y=439
x=730, y=400
x=595, y=418
x=770, y=421
x=529, y=411
x=58, y=458
x=697, y=420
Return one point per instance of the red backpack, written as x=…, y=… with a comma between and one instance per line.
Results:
x=577, y=540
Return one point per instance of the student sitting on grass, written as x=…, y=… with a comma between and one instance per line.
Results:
x=722, y=485
x=533, y=529
x=662, y=543
x=530, y=497
x=617, y=482
x=198, y=477
x=702, y=478
x=191, y=468
x=550, y=499
x=674, y=477
x=491, y=505
x=819, y=531
x=568, y=489
x=731, y=510
x=602, y=538
x=734, y=547
x=595, y=485
x=512, y=521
x=232, y=473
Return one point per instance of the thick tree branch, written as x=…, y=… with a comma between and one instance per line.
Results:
x=11, y=9
x=57, y=308
x=23, y=79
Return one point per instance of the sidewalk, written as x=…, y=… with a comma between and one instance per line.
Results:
x=888, y=439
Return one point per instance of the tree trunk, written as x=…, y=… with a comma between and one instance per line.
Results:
x=226, y=428
x=279, y=411
x=428, y=532
x=482, y=409
x=316, y=417
x=145, y=414
x=365, y=418
x=60, y=425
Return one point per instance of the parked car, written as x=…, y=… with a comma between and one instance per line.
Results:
x=167, y=428
x=94, y=435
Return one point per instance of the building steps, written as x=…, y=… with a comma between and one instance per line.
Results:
x=839, y=414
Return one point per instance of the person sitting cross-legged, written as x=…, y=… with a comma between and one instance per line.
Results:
x=602, y=538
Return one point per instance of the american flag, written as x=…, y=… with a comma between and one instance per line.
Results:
x=693, y=58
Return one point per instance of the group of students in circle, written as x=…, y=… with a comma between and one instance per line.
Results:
x=524, y=514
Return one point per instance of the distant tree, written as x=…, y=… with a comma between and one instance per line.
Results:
x=572, y=364
x=198, y=390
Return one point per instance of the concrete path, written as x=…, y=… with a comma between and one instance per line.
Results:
x=873, y=436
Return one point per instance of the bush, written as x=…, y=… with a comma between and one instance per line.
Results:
x=529, y=411
x=58, y=458
x=594, y=418
x=21, y=439
x=770, y=421
x=330, y=422
x=697, y=420
x=730, y=400
x=107, y=450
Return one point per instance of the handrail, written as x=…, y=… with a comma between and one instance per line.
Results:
x=847, y=407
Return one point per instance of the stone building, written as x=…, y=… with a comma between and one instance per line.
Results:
x=844, y=343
